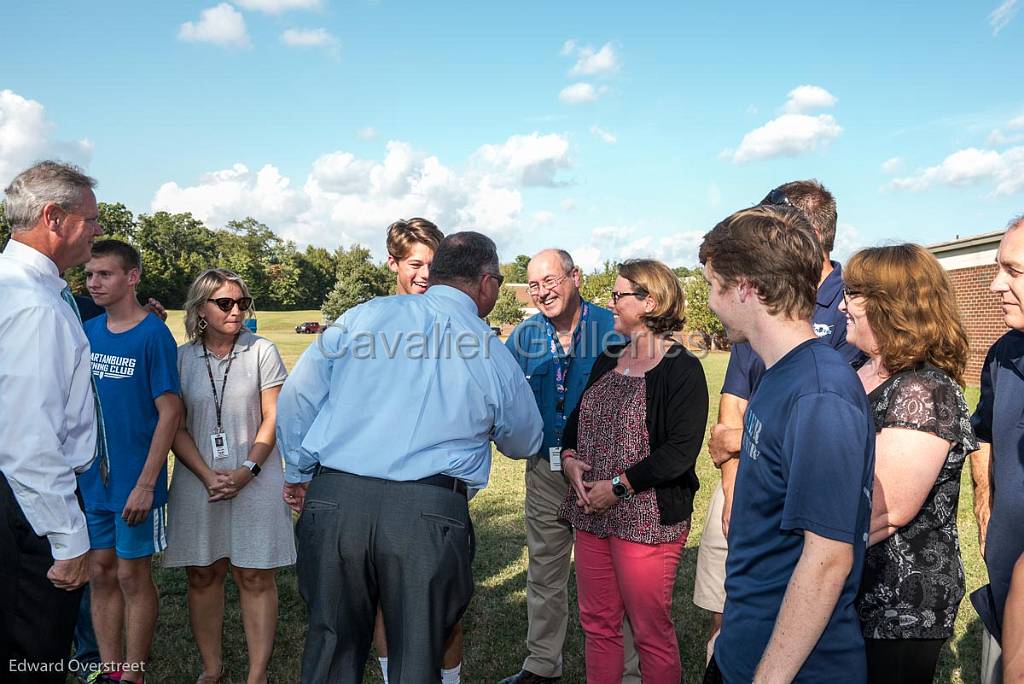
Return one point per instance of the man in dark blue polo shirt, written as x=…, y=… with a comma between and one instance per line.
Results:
x=998, y=467
x=797, y=541
x=742, y=377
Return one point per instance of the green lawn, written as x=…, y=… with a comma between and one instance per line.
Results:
x=495, y=624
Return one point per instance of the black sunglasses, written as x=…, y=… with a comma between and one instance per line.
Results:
x=778, y=198
x=225, y=304
x=850, y=294
x=497, y=276
x=616, y=296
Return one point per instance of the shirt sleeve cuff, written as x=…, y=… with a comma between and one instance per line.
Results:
x=68, y=546
x=293, y=475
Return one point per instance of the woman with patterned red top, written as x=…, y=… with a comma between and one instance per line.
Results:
x=629, y=453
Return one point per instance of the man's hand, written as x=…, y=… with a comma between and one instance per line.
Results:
x=574, y=469
x=69, y=574
x=981, y=476
x=729, y=470
x=295, y=495
x=726, y=511
x=154, y=306
x=140, y=503
x=724, y=443
x=982, y=511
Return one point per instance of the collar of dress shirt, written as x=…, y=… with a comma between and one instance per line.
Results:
x=35, y=260
x=245, y=341
x=456, y=295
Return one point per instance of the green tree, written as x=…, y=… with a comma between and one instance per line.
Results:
x=597, y=286
x=507, y=310
x=317, y=275
x=175, y=248
x=359, y=280
x=5, y=227
x=515, y=271
x=118, y=222
x=699, y=316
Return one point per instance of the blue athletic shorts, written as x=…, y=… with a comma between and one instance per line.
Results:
x=108, y=530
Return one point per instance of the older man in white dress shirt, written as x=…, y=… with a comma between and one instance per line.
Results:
x=47, y=420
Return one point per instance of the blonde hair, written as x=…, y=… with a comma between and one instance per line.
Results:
x=657, y=280
x=205, y=284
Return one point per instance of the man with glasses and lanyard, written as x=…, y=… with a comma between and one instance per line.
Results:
x=556, y=349
x=741, y=379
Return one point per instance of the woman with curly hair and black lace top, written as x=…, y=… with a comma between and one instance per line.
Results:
x=901, y=312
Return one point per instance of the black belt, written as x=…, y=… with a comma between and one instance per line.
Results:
x=443, y=481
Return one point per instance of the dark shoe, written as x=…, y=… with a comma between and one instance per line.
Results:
x=527, y=677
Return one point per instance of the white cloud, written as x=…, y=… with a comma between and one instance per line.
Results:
x=848, y=241
x=310, y=38
x=618, y=243
x=543, y=217
x=592, y=62
x=972, y=165
x=806, y=98
x=349, y=199
x=220, y=25
x=569, y=204
x=27, y=136
x=367, y=133
x=532, y=159
x=1001, y=16
x=601, y=133
x=278, y=6
x=1000, y=138
x=568, y=47
x=892, y=165
x=580, y=93
x=786, y=136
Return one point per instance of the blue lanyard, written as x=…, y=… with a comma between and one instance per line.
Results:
x=562, y=362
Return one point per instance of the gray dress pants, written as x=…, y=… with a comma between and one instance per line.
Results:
x=406, y=545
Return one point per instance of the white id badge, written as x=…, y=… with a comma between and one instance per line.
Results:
x=220, y=445
x=555, y=457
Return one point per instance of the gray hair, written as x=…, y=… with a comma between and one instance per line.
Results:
x=48, y=182
x=205, y=284
x=462, y=258
x=1015, y=222
x=567, y=263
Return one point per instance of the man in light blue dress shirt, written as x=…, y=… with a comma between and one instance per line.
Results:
x=383, y=424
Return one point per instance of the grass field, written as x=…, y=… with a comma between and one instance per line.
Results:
x=495, y=624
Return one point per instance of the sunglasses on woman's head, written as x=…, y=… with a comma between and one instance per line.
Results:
x=225, y=304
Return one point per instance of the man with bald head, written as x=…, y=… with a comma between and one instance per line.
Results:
x=556, y=349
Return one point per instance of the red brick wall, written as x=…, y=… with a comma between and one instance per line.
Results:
x=981, y=313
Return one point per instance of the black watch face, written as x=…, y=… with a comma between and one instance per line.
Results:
x=619, y=490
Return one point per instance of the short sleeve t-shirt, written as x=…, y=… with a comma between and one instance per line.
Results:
x=131, y=370
x=807, y=465
x=746, y=368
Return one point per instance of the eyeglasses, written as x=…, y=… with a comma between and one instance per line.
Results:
x=849, y=294
x=778, y=198
x=549, y=283
x=225, y=304
x=616, y=296
x=497, y=276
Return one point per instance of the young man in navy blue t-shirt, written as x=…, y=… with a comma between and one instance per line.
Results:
x=797, y=541
x=134, y=367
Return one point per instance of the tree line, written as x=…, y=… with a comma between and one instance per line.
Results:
x=175, y=248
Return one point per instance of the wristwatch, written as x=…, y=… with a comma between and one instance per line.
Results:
x=253, y=467
x=620, y=490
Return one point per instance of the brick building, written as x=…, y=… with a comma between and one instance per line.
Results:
x=970, y=263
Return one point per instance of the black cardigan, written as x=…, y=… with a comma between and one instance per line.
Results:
x=677, y=416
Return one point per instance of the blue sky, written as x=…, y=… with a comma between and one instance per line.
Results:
x=611, y=129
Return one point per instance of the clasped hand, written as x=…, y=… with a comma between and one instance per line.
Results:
x=225, y=484
x=592, y=497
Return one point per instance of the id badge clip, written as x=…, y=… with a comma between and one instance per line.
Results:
x=219, y=440
x=555, y=458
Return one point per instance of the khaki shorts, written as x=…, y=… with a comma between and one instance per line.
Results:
x=709, y=583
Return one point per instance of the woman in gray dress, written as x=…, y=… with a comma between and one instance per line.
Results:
x=224, y=506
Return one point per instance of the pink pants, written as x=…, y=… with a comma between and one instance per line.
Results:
x=616, y=577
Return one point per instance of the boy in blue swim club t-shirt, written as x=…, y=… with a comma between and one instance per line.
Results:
x=134, y=367
x=803, y=492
